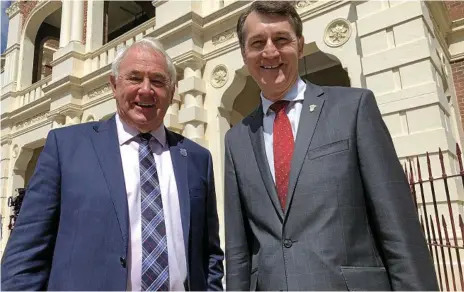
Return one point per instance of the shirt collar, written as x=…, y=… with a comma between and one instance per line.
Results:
x=126, y=132
x=295, y=94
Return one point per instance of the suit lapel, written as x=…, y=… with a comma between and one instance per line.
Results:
x=179, y=157
x=310, y=112
x=257, y=141
x=106, y=144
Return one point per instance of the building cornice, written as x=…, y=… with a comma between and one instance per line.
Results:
x=11, y=49
x=71, y=54
x=6, y=139
x=441, y=23
x=68, y=83
x=189, y=59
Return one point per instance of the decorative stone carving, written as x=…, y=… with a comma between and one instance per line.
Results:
x=13, y=9
x=99, y=90
x=337, y=32
x=219, y=76
x=303, y=4
x=224, y=36
x=32, y=120
x=15, y=151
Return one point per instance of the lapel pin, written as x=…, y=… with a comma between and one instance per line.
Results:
x=312, y=107
x=183, y=152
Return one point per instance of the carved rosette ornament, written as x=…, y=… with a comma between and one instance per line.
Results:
x=337, y=32
x=219, y=76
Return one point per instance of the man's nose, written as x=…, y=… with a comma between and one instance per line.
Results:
x=145, y=86
x=270, y=50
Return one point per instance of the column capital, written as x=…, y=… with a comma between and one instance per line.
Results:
x=13, y=9
x=191, y=59
x=6, y=139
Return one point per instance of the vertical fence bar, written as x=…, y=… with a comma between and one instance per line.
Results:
x=447, y=242
x=437, y=219
x=412, y=185
x=461, y=224
x=450, y=210
x=424, y=207
x=437, y=257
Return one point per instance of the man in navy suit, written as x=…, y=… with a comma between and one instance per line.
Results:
x=123, y=204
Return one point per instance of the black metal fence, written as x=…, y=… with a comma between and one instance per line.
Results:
x=436, y=224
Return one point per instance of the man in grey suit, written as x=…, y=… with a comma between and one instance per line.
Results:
x=315, y=197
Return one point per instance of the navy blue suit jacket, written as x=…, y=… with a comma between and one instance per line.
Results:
x=73, y=229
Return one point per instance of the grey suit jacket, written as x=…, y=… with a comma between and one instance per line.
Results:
x=349, y=223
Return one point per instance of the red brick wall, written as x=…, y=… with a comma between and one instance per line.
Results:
x=25, y=8
x=458, y=78
x=456, y=9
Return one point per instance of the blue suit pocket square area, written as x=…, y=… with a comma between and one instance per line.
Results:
x=183, y=152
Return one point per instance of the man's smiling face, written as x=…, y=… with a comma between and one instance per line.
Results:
x=271, y=52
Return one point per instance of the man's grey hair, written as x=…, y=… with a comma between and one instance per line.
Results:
x=149, y=42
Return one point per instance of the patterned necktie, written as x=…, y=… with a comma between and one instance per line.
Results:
x=155, y=269
x=283, y=149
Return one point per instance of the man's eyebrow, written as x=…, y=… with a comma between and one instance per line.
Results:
x=151, y=75
x=159, y=75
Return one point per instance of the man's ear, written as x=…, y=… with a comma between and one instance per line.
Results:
x=173, y=92
x=242, y=50
x=300, y=46
x=113, y=84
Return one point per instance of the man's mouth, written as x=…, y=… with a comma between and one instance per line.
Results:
x=145, y=104
x=268, y=67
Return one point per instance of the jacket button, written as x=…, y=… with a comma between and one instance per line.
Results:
x=288, y=243
x=122, y=260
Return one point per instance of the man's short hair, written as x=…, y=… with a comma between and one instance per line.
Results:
x=280, y=8
x=148, y=42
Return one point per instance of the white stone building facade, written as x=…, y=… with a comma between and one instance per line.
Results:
x=398, y=49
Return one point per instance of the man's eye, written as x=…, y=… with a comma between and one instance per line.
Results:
x=257, y=44
x=158, y=83
x=135, y=79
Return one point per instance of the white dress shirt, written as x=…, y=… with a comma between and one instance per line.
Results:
x=296, y=97
x=129, y=147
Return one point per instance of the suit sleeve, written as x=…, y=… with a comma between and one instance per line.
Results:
x=392, y=214
x=28, y=254
x=238, y=261
x=216, y=255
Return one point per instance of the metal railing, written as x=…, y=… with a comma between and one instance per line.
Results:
x=444, y=249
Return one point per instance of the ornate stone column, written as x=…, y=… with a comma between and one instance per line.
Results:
x=4, y=179
x=171, y=120
x=95, y=17
x=11, y=54
x=66, y=16
x=77, y=28
x=193, y=115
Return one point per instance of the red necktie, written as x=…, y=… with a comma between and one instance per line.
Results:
x=283, y=149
